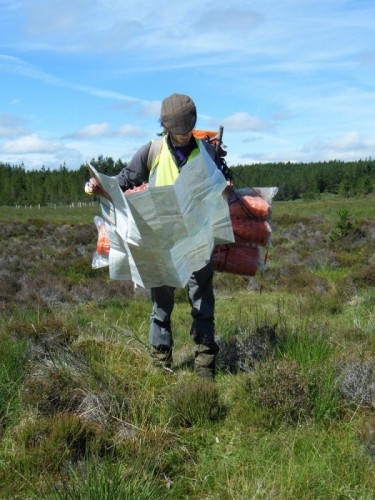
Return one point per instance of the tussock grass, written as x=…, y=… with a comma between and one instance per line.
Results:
x=291, y=414
x=12, y=373
x=106, y=480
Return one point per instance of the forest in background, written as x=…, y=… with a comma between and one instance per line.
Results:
x=20, y=186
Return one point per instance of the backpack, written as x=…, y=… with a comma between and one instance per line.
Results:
x=211, y=137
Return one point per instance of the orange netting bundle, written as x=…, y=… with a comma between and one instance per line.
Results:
x=102, y=245
x=257, y=232
x=236, y=259
x=248, y=205
x=101, y=255
x=135, y=189
x=250, y=214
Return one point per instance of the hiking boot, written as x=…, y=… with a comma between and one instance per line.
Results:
x=161, y=356
x=205, y=361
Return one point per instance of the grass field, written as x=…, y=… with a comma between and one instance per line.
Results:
x=291, y=414
x=328, y=207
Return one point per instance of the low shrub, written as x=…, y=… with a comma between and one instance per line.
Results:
x=356, y=379
x=365, y=275
x=299, y=279
x=193, y=403
x=52, y=443
x=9, y=286
x=46, y=329
x=366, y=434
x=278, y=392
x=51, y=391
x=242, y=351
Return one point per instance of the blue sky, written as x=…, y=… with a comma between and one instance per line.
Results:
x=289, y=80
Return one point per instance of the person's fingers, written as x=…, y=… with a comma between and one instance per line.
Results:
x=91, y=186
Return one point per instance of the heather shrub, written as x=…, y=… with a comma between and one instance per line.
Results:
x=45, y=329
x=365, y=275
x=299, y=279
x=78, y=269
x=356, y=379
x=311, y=348
x=243, y=349
x=321, y=257
x=47, y=289
x=193, y=403
x=65, y=436
x=331, y=303
x=367, y=435
x=276, y=395
x=52, y=390
x=9, y=286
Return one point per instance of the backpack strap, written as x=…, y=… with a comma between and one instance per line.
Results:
x=155, y=149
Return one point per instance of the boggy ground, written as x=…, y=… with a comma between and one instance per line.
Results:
x=291, y=414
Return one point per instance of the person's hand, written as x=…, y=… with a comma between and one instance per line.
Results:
x=92, y=186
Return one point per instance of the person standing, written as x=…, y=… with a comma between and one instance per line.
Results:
x=177, y=147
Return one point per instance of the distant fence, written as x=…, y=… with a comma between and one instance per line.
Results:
x=77, y=204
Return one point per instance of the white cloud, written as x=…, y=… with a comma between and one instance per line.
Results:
x=92, y=131
x=17, y=66
x=31, y=144
x=151, y=108
x=349, y=142
x=130, y=131
x=103, y=130
x=244, y=122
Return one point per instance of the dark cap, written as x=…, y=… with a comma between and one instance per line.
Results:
x=178, y=114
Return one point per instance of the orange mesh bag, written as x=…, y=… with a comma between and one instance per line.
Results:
x=236, y=259
x=250, y=206
x=250, y=212
x=102, y=245
x=253, y=231
x=135, y=189
x=101, y=255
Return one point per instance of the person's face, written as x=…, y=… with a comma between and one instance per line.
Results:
x=181, y=140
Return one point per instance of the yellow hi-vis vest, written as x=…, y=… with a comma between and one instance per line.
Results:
x=166, y=170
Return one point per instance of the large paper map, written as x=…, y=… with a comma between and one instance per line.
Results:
x=160, y=235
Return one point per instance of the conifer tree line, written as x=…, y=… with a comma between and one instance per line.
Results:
x=62, y=186
x=309, y=180
x=20, y=186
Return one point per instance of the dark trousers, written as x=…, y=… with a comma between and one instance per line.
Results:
x=202, y=301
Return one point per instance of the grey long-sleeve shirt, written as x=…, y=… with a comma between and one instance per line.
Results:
x=137, y=172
